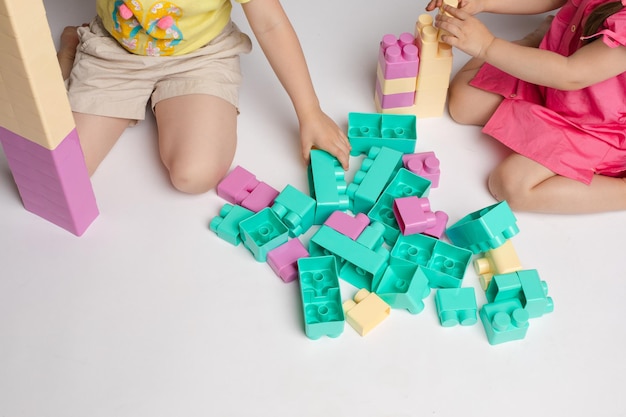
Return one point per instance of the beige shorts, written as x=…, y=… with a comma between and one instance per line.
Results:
x=107, y=80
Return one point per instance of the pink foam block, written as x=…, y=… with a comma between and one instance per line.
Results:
x=53, y=184
x=440, y=227
x=424, y=164
x=261, y=197
x=398, y=57
x=413, y=214
x=284, y=259
x=237, y=185
x=348, y=225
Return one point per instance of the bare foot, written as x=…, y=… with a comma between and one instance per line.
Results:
x=534, y=38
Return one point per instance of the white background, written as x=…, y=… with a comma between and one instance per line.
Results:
x=150, y=314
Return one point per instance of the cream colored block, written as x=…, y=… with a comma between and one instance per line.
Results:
x=437, y=82
x=396, y=85
x=366, y=311
x=501, y=260
x=453, y=3
x=430, y=103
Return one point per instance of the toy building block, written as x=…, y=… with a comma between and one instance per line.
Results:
x=284, y=259
x=501, y=260
x=241, y=187
x=344, y=223
x=484, y=229
x=453, y=3
x=295, y=209
x=321, y=297
x=440, y=227
x=226, y=224
x=367, y=130
x=376, y=171
x=262, y=232
x=443, y=263
x=327, y=185
x=504, y=287
x=398, y=57
x=37, y=128
x=413, y=214
x=424, y=164
x=456, y=306
x=404, y=184
x=524, y=285
x=359, y=263
x=366, y=311
x=403, y=287
x=504, y=321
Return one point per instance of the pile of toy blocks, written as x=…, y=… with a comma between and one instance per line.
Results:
x=377, y=233
x=413, y=72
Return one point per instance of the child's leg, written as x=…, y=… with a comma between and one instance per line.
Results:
x=67, y=50
x=97, y=136
x=197, y=140
x=529, y=186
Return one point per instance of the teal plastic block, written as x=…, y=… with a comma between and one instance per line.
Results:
x=504, y=321
x=403, y=287
x=404, y=184
x=358, y=265
x=534, y=294
x=485, y=229
x=263, y=232
x=394, y=131
x=456, y=306
x=444, y=264
x=226, y=224
x=376, y=171
x=327, y=185
x=321, y=297
x=295, y=209
x=503, y=287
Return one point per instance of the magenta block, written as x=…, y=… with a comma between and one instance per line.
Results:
x=440, y=227
x=413, y=214
x=392, y=101
x=237, y=185
x=424, y=164
x=398, y=57
x=284, y=259
x=53, y=184
x=348, y=225
x=261, y=197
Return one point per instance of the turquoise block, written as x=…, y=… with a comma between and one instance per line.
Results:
x=327, y=185
x=321, y=297
x=263, y=232
x=295, y=209
x=394, y=131
x=226, y=224
x=456, y=306
x=403, y=287
x=534, y=294
x=504, y=321
x=484, y=229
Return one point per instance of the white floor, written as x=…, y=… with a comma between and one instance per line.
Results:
x=150, y=314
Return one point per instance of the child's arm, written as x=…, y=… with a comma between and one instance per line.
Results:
x=503, y=6
x=281, y=46
x=589, y=65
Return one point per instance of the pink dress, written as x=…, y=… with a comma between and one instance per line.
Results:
x=573, y=133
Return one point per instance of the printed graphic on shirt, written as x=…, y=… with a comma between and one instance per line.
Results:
x=153, y=31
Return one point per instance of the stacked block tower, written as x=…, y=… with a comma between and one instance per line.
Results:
x=37, y=129
x=413, y=71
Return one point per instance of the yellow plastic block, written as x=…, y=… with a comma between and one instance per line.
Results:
x=430, y=103
x=366, y=311
x=498, y=261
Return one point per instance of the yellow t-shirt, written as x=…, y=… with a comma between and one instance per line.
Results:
x=164, y=28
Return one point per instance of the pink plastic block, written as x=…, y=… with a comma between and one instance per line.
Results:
x=262, y=196
x=424, y=164
x=237, y=185
x=438, y=230
x=284, y=259
x=398, y=57
x=391, y=101
x=53, y=184
x=348, y=225
x=413, y=214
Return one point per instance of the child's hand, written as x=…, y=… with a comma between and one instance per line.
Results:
x=320, y=131
x=470, y=6
x=465, y=32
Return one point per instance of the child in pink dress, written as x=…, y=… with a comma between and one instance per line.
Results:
x=557, y=100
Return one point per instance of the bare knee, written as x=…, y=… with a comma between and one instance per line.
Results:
x=504, y=184
x=196, y=178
